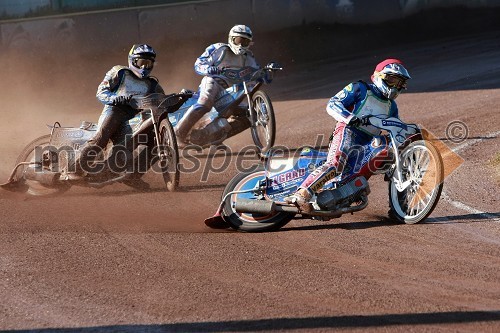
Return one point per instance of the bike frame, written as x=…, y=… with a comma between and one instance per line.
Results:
x=397, y=130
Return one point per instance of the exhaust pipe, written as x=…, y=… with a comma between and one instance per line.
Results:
x=44, y=177
x=264, y=207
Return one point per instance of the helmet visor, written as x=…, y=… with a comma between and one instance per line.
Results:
x=245, y=42
x=394, y=81
x=143, y=63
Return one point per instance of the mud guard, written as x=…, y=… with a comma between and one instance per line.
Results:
x=216, y=222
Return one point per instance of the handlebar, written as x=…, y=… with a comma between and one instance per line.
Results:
x=158, y=100
x=273, y=66
x=248, y=73
x=383, y=122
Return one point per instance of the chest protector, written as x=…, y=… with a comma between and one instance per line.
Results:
x=132, y=85
x=372, y=105
x=228, y=59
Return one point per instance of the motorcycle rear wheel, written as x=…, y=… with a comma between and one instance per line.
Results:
x=28, y=155
x=422, y=163
x=168, y=154
x=247, y=221
x=264, y=132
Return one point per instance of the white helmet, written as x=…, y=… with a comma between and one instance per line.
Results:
x=240, y=38
x=390, y=77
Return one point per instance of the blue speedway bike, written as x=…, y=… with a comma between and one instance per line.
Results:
x=254, y=201
x=243, y=99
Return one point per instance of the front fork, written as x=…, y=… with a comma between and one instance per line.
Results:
x=250, y=106
x=248, y=93
x=397, y=175
x=161, y=153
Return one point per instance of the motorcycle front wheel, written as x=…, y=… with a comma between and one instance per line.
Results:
x=422, y=165
x=168, y=154
x=28, y=155
x=242, y=186
x=264, y=131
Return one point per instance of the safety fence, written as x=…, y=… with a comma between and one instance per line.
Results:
x=149, y=21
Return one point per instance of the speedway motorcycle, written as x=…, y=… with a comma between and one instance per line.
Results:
x=254, y=201
x=43, y=166
x=213, y=128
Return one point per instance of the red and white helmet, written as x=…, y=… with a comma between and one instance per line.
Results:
x=240, y=39
x=390, y=77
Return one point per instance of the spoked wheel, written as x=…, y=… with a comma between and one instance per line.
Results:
x=242, y=184
x=264, y=132
x=168, y=154
x=28, y=155
x=422, y=165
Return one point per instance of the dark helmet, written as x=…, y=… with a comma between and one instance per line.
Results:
x=141, y=59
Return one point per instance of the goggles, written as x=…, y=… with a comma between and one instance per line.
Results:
x=394, y=81
x=245, y=42
x=143, y=63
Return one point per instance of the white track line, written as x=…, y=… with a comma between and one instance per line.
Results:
x=469, y=209
x=459, y=204
x=471, y=142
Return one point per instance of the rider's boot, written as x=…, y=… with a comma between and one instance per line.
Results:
x=75, y=176
x=193, y=114
x=135, y=181
x=75, y=171
x=301, y=200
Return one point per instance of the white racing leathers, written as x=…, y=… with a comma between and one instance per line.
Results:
x=215, y=58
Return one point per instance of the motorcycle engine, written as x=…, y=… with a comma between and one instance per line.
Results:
x=343, y=196
x=214, y=131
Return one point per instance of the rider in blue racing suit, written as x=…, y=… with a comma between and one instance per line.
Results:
x=235, y=54
x=119, y=84
x=349, y=107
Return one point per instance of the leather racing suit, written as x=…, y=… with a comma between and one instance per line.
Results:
x=212, y=86
x=356, y=99
x=113, y=122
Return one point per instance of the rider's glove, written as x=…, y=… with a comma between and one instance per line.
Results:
x=186, y=91
x=356, y=122
x=267, y=77
x=121, y=100
x=212, y=70
x=273, y=65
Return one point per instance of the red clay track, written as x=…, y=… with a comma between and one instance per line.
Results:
x=118, y=260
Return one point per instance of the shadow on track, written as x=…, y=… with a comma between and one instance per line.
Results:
x=383, y=221
x=307, y=323
x=465, y=218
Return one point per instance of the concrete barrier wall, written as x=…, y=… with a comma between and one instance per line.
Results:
x=91, y=32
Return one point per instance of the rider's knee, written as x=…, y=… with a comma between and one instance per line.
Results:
x=201, y=108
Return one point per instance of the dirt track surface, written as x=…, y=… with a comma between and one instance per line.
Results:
x=118, y=260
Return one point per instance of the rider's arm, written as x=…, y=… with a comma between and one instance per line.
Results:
x=106, y=90
x=156, y=85
x=393, y=111
x=266, y=75
x=342, y=104
x=210, y=58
